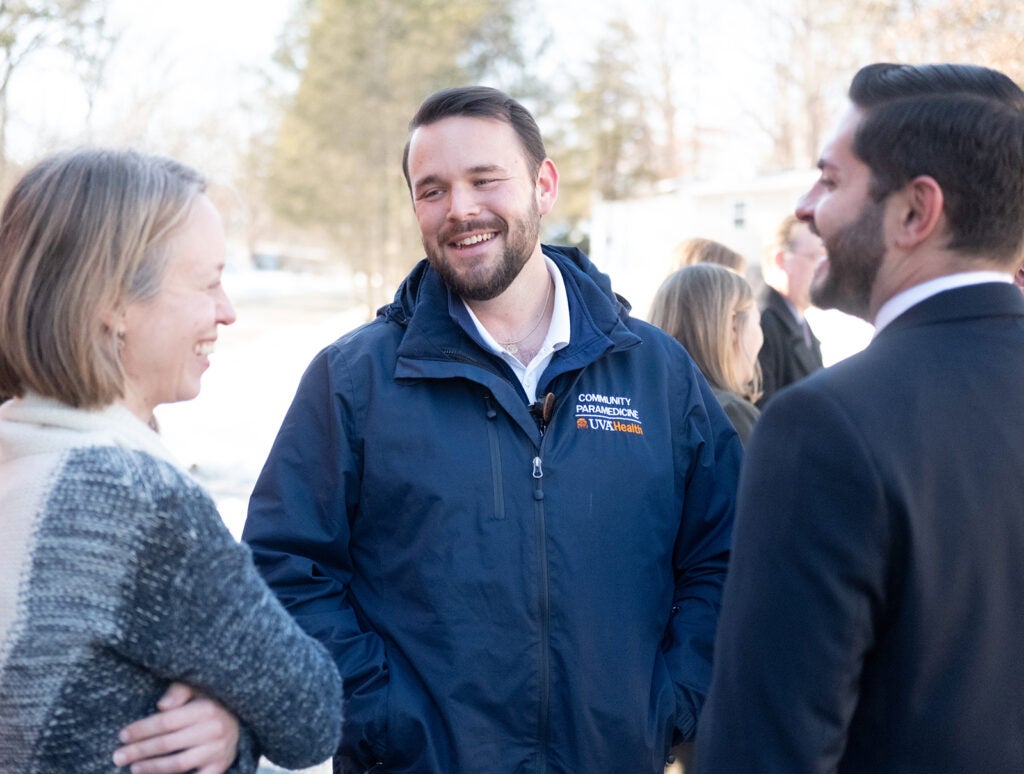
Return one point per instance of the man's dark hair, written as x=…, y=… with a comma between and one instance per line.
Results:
x=962, y=125
x=881, y=82
x=479, y=102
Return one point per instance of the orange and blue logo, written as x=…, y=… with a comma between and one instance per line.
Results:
x=610, y=413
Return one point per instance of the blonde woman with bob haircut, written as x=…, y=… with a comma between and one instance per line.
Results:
x=710, y=310
x=134, y=630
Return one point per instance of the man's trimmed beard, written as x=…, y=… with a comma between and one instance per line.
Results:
x=521, y=237
x=855, y=254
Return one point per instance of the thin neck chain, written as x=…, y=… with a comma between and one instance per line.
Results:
x=513, y=346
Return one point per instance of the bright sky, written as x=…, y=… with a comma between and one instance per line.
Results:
x=175, y=63
x=186, y=66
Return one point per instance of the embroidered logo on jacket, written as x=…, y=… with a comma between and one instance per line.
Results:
x=611, y=413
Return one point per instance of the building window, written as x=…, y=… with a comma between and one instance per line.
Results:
x=739, y=214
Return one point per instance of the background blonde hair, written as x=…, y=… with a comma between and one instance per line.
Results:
x=81, y=235
x=700, y=250
x=695, y=305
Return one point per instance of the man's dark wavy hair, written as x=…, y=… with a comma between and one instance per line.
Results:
x=962, y=125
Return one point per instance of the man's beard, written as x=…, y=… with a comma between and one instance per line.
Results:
x=521, y=238
x=855, y=254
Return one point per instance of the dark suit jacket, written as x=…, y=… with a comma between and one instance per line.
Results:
x=785, y=356
x=873, y=619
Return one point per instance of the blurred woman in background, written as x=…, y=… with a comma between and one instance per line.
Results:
x=122, y=594
x=710, y=310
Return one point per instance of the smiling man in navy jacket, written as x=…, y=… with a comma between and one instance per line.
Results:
x=872, y=620
x=504, y=505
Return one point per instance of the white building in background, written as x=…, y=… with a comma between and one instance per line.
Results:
x=633, y=241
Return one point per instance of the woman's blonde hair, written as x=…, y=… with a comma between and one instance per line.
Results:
x=700, y=250
x=82, y=235
x=695, y=305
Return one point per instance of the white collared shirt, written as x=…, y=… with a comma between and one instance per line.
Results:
x=557, y=337
x=901, y=302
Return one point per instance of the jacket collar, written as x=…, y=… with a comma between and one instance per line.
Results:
x=439, y=342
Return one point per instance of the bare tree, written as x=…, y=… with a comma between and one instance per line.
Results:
x=814, y=49
x=76, y=27
x=985, y=32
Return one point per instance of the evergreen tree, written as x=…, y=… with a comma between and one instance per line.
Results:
x=364, y=66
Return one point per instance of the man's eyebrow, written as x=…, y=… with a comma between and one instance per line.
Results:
x=428, y=180
x=479, y=168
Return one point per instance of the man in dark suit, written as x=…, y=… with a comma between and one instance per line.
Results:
x=791, y=351
x=873, y=618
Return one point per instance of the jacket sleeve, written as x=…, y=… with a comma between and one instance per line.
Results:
x=298, y=528
x=701, y=552
x=199, y=612
x=805, y=590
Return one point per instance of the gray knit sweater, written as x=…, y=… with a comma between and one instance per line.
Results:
x=117, y=576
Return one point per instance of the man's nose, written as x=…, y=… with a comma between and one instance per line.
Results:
x=463, y=203
x=804, y=209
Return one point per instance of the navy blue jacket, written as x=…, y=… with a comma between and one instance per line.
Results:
x=501, y=594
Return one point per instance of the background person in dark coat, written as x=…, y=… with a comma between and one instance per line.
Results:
x=872, y=619
x=791, y=351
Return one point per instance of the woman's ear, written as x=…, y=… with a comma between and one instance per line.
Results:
x=735, y=324
x=115, y=320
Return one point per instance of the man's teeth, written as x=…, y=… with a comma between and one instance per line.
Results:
x=205, y=348
x=473, y=240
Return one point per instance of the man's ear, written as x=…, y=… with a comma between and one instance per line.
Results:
x=920, y=211
x=547, y=186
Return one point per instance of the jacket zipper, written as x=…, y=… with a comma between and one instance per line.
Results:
x=547, y=408
x=537, y=474
x=544, y=720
